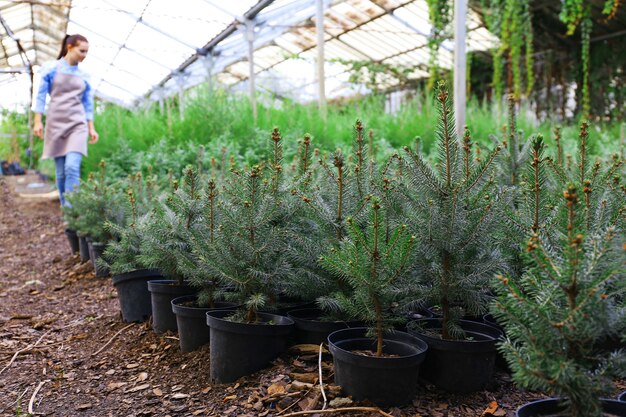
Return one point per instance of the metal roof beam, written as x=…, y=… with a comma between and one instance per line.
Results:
x=267, y=33
x=15, y=70
x=232, y=28
x=337, y=37
x=123, y=46
x=141, y=20
x=223, y=10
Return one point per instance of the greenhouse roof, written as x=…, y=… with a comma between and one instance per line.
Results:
x=147, y=49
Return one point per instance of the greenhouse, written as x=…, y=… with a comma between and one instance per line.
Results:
x=313, y=207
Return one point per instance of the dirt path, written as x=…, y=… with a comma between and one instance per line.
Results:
x=56, y=316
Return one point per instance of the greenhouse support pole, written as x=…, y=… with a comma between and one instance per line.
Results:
x=460, y=15
x=321, y=75
x=30, y=117
x=208, y=65
x=180, y=80
x=250, y=39
x=161, y=95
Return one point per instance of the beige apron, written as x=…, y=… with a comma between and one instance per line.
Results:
x=66, y=125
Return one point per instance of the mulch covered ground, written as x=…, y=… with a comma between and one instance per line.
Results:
x=64, y=350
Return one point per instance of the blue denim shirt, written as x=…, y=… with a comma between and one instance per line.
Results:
x=48, y=71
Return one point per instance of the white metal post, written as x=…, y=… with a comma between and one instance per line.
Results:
x=161, y=95
x=321, y=75
x=460, y=15
x=180, y=80
x=250, y=39
x=208, y=65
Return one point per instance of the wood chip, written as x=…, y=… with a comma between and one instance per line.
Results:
x=310, y=377
x=307, y=349
x=115, y=385
x=139, y=388
x=277, y=388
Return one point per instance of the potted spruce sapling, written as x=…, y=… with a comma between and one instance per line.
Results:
x=247, y=258
x=453, y=209
x=190, y=310
x=603, y=194
x=129, y=275
x=532, y=207
x=165, y=246
x=70, y=218
x=375, y=363
x=557, y=312
x=327, y=195
x=74, y=216
x=96, y=203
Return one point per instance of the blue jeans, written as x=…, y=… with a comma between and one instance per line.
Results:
x=68, y=174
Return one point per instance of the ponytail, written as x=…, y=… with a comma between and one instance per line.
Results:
x=70, y=40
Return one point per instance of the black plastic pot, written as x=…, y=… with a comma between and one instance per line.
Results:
x=95, y=252
x=435, y=312
x=83, y=248
x=458, y=365
x=133, y=294
x=285, y=304
x=311, y=329
x=193, y=331
x=552, y=407
x=162, y=292
x=387, y=381
x=239, y=349
x=72, y=238
x=622, y=397
x=501, y=362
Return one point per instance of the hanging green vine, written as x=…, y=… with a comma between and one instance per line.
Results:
x=440, y=15
x=576, y=13
x=585, y=39
x=528, y=47
x=511, y=21
x=493, y=15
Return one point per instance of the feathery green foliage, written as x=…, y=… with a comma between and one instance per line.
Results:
x=328, y=195
x=453, y=209
x=373, y=264
x=246, y=255
x=559, y=310
x=122, y=254
x=166, y=236
x=92, y=205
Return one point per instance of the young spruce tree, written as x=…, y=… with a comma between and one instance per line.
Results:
x=95, y=203
x=558, y=311
x=453, y=209
x=167, y=234
x=122, y=254
x=246, y=254
x=374, y=264
x=328, y=195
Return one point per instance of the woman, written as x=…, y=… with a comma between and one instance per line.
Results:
x=70, y=113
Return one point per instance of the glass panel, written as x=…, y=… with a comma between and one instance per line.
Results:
x=132, y=62
x=158, y=47
x=98, y=17
x=416, y=16
x=192, y=21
